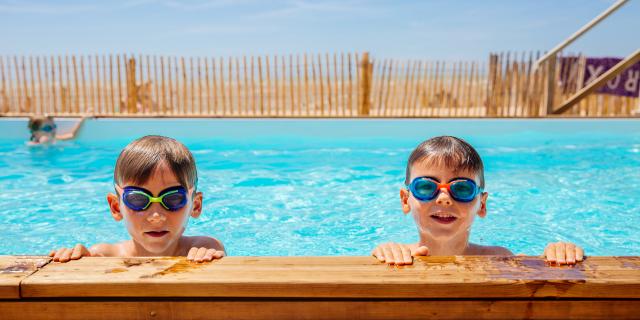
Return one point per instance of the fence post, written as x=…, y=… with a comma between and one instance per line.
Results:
x=551, y=83
x=132, y=90
x=492, y=85
x=365, y=72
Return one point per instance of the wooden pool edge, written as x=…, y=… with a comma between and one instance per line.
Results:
x=319, y=288
x=319, y=309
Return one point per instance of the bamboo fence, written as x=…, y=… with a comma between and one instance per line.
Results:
x=302, y=85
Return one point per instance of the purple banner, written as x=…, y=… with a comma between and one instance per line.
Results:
x=625, y=84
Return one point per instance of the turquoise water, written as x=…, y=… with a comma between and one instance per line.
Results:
x=330, y=187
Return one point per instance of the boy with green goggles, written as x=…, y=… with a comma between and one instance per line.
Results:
x=153, y=165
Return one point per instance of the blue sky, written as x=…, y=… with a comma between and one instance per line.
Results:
x=450, y=30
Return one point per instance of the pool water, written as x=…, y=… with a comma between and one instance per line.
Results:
x=330, y=187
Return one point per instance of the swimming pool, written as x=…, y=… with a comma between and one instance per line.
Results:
x=330, y=187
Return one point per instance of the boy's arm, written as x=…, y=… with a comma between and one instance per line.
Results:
x=74, y=131
x=205, y=249
x=398, y=253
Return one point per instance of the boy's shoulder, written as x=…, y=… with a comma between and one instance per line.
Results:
x=481, y=250
x=106, y=249
x=203, y=241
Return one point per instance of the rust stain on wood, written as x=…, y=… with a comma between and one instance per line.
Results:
x=116, y=270
x=28, y=264
x=178, y=267
x=439, y=259
x=136, y=262
x=19, y=267
x=442, y=262
x=131, y=262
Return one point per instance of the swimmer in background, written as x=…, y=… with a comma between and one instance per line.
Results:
x=44, y=130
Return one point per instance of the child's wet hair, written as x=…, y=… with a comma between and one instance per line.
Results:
x=139, y=159
x=450, y=152
x=36, y=122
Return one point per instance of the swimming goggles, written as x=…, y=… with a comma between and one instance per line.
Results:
x=139, y=199
x=48, y=127
x=428, y=188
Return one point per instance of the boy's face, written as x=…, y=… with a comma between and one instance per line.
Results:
x=443, y=217
x=45, y=129
x=156, y=229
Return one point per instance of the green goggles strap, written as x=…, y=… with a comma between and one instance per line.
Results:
x=155, y=199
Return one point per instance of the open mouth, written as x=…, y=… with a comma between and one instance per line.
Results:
x=156, y=234
x=443, y=218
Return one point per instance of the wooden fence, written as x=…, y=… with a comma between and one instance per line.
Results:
x=322, y=85
x=518, y=89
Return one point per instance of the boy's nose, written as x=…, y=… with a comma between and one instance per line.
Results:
x=156, y=217
x=444, y=199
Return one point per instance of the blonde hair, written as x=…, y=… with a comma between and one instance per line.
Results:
x=139, y=159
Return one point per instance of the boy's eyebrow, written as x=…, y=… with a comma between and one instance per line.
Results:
x=461, y=178
x=430, y=177
x=452, y=179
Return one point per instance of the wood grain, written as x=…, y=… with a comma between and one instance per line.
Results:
x=13, y=269
x=320, y=309
x=337, y=277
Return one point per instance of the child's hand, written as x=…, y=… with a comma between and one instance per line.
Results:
x=398, y=254
x=560, y=253
x=204, y=254
x=66, y=254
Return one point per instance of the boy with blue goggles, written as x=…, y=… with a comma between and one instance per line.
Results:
x=444, y=192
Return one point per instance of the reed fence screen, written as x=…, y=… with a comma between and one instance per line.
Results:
x=303, y=85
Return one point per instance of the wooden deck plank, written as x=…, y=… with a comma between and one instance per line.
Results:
x=13, y=269
x=321, y=309
x=337, y=277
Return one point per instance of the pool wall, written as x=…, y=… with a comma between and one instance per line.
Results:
x=101, y=129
